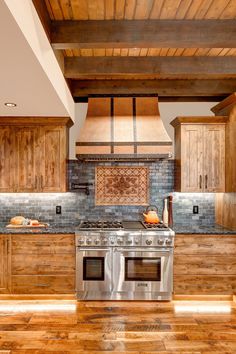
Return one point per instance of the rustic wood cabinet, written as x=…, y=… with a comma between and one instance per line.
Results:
x=200, y=154
x=205, y=265
x=33, y=154
x=5, y=264
x=7, y=160
x=43, y=264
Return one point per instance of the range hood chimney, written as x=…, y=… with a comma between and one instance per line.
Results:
x=123, y=129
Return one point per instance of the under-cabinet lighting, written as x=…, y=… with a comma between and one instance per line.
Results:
x=37, y=307
x=202, y=308
x=10, y=104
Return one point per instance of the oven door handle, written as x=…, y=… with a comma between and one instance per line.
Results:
x=141, y=250
x=93, y=249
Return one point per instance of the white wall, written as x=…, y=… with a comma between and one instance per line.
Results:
x=80, y=115
x=168, y=112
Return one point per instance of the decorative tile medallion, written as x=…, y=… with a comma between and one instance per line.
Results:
x=122, y=185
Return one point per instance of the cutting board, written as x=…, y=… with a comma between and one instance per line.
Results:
x=10, y=226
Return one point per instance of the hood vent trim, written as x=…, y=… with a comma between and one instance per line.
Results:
x=123, y=129
x=123, y=158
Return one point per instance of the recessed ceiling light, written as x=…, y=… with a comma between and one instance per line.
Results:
x=10, y=104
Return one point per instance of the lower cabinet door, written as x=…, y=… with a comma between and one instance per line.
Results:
x=5, y=264
x=43, y=284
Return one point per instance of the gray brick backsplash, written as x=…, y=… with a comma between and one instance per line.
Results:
x=76, y=205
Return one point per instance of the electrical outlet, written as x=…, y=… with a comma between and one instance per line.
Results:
x=195, y=209
x=58, y=209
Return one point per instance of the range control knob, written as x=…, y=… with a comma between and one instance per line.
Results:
x=148, y=242
x=119, y=241
x=112, y=242
x=104, y=241
x=129, y=241
x=89, y=241
x=168, y=241
x=136, y=241
x=81, y=242
x=160, y=241
x=97, y=241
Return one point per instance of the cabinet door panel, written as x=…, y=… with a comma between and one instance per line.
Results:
x=4, y=264
x=192, y=158
x=214, y=158
x=43, y=284
x=53, y=159
x=26, y=152
x=6, y=159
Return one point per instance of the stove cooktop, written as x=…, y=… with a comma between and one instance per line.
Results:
x=120, y=225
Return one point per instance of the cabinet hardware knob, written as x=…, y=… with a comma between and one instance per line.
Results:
x=41, y=179
x=200, y=182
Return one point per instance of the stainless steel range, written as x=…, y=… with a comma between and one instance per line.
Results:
x=127, y=260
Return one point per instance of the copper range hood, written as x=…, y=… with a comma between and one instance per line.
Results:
x=123, y=129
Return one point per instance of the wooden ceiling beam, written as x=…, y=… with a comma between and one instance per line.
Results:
x=143, y=34
x=150, y=67
x=164, y=88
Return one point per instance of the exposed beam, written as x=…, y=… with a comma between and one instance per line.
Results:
x=164, y=88
x=150, y=67
x=144, y=34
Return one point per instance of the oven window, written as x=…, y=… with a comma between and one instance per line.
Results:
x=141, y=268
x=93, y=268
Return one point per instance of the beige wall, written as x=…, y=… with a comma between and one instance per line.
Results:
x=168, y=112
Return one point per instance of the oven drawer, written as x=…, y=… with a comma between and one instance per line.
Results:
x=142, y=270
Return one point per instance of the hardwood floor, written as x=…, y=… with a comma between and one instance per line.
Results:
x=190, y=327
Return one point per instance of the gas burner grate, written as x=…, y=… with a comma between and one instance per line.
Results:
x=159, y=226
x=101, y=225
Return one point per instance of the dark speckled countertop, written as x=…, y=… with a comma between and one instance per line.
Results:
x=216, y=230
x=51, y=229
x=70, y=229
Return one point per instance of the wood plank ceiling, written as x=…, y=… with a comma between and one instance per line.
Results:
x=174, y=48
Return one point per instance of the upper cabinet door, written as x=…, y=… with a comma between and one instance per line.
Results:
x=27, y=159
x=7, y=160
x=53, y=158
x=192, y=158
x=214, y=158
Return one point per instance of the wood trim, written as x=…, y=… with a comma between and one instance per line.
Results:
x=225, y=106
x=143, y=34
x=43, y=14
x=147, y=67
x=202, y=297
x=199, y=120
x=162, y=87
x=36, y=121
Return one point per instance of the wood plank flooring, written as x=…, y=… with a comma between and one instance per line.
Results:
x=190, y=327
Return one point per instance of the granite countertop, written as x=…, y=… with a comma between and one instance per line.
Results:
x=51, y=229
x=217, y=229
x=70, y=229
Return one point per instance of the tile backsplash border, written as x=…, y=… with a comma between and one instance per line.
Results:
x=76, y=205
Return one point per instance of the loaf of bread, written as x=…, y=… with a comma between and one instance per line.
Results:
x=17, y=220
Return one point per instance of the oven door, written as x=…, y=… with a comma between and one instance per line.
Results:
x=93, y=269
x=143, y=270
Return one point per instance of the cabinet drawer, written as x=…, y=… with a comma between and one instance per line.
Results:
x=43, y=244
x=205, y=244
x=33, y=284
x=204, y=284
x=200, y=265
x=43, y=264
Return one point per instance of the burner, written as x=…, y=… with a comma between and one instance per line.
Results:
x=101, y=225
x=155, y=226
